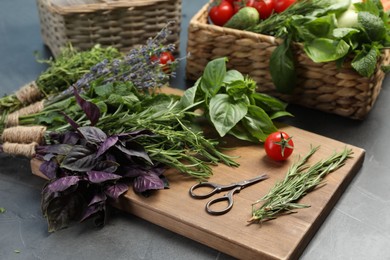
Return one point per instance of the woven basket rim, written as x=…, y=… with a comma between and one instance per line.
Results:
x=60, y=6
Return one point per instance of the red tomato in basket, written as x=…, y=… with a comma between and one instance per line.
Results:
x=221, y=13
x=282, y=5
x=279, y=146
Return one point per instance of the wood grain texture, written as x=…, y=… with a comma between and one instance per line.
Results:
x=282, y=238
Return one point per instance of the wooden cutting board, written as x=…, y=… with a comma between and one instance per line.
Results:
x=283, y=238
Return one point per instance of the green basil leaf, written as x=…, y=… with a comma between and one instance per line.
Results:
x=225, y=113
x=213, y=75
x=365, y=61
x=261, y=119
x=268, y=103
x=237, y=90
x=325, y=50
x=282, y=68
x=233, y=75
x=188, y=98
x=240, y=132
x=280, y=114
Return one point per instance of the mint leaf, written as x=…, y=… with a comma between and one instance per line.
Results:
x=365, y=61
x=373, y=26
x=282, y=68
x=2, y=210
x=386, y=69
x=225, y=113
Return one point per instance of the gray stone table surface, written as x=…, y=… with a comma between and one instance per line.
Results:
x=357, y=228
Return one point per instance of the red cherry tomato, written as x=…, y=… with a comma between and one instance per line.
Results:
x=282, y=5
x=221, y=13
x=268, y=9
x=164, y=60
x=230, y=1
x=279, y=146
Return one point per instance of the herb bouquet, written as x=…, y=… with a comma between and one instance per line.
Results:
x=111, y=127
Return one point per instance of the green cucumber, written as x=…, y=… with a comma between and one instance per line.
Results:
x=244, y=18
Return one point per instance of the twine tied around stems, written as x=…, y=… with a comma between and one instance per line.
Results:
x=27, y=150
x=13, y=118
x=23, y=134
x=29, y=93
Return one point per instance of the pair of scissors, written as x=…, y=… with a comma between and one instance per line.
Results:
x=216, y=188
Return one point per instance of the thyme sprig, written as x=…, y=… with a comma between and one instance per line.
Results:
x=299, y=180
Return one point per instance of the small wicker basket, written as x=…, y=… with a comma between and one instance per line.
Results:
x=122, y=24
x=322, y=86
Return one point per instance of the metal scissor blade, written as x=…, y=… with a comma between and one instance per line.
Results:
x=249, y=182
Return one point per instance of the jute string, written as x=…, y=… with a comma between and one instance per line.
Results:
x=27, y=150
x=23, y=134
x=29, y=93
x=13, y=118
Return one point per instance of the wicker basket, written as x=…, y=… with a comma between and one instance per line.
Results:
x=119, y=23
x=321, y=86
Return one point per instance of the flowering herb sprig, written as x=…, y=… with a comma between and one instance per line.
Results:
x=137, y=66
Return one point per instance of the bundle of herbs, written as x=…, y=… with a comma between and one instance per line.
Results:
x=61, y=73
x=232, y=105
x=321, y=27
x=300, y=179
x=138, y=67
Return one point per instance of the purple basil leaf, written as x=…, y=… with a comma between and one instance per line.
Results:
x=108, y=143
x=90, y=109
x=92, y=134
x=72, y=123
x=147, y=182
x=80, y=159
x=63, y=183
x=71, y=138
x=49, y=169
x=99, y=177
x=106, y=166
x=133, y=171
x=136, y=150
x=115, y=190
x=62, y=211
x=98, y=198
x=92, y=209
x=62, y=149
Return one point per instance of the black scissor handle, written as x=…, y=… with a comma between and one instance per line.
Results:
x=227, y=197
x=215, y=188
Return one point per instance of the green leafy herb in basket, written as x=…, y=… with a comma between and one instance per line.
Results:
x=318, y=25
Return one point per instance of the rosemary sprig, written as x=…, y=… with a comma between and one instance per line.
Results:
x=300, y=179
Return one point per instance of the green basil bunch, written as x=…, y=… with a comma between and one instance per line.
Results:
x=232, y=104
